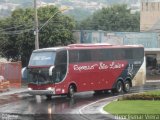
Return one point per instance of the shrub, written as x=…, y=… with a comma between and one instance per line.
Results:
x=140, y=97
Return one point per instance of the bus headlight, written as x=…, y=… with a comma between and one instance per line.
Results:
x=29, y=88
x=49, y=88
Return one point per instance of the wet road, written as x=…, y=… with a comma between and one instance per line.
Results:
x=32, y=107
x=28, y=107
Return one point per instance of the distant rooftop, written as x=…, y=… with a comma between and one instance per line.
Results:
x=150, y=0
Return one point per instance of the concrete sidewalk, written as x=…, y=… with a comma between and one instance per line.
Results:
x=152, y=81
x=13, y=91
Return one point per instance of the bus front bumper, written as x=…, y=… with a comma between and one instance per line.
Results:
x=41, y=92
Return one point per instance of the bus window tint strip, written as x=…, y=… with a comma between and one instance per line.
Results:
x=104, y=54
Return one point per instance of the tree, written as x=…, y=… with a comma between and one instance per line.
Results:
x=79, y=14
x=116, y=18
x=19, y=37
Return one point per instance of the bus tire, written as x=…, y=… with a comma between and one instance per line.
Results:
x=49, y=97
x=71, y=91
x=119, y=87
x=127, y=86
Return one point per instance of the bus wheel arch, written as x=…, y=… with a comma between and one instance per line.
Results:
x=127, y=85
x=72, y=88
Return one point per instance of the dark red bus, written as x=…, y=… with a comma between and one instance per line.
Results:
x=83, y=67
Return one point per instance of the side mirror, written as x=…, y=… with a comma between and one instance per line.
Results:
x=24, y=73
x=50, y=70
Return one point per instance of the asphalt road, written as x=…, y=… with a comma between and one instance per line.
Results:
x=26, y=107
x=32, y=107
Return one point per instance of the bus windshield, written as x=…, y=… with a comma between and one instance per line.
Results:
x=42, y=58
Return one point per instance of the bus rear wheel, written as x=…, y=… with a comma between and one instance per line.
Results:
x=71, y=92
x=119, y=87
x=127, y=86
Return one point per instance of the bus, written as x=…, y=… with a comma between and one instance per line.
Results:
x=83, y=67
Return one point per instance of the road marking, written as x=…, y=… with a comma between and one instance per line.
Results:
x=101, y=109
x=80, y=110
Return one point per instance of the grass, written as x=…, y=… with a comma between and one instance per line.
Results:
x=136, y=109
x=133, y=107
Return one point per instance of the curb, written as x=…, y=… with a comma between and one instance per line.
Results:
x=102, y=110
x=16, y=91
x=152, y=81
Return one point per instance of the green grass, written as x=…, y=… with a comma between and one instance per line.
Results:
x=133, y=107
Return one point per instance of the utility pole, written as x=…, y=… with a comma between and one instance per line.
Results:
x=36, y=32
x=36, y=26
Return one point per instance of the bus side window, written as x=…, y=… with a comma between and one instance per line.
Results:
x=129, y=53
x=84, y=55
x=115, y=54
x=61, y=57
x=73, y=56
x=121, y=54
x=60, y=65
x=96, y=55
x=138, y=53
x=106, y=54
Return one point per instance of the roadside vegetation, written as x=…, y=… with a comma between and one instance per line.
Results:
x=17, y=32
x=143, y=103
x=17, y=37
x=117, y=18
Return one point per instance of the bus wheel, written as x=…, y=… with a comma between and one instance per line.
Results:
x=49, y=97
x=71, y=91
x=127, y=86
x=119, y=87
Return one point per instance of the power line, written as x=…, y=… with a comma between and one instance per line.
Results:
x=17, y=31
x=10, y=28
x=1, y=30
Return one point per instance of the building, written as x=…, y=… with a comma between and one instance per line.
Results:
x=150, y=15
x=150, y=22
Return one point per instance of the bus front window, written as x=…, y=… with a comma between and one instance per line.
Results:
x=38, y=68
x=42, y=58
x=55, y=71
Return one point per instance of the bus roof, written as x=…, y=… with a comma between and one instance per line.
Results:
x=86, y=46
x=100, y=45
x=50, y=49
